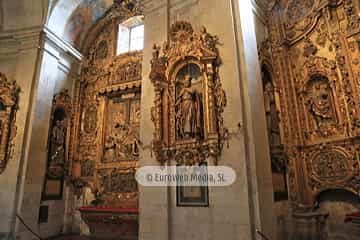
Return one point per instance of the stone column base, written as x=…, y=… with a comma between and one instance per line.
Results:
x=310, y=226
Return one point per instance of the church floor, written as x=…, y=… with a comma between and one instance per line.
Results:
x=71, y=237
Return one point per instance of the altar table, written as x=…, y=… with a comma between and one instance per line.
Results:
x=111, y=223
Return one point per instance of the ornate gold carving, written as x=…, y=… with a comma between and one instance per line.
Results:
x=314, y=61
x=90, y=116
x=333, y=167
x=272, y=114
x=106, y=138
x=320, y=103
x=57, y=155
x=122, y=129
x=117, y=181
x=297, y=10
x=128, y=70
x=9, y=93
x=87, y=168
x=189, y=99
x=102, y=50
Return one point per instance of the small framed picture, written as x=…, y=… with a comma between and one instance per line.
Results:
x=192, y=196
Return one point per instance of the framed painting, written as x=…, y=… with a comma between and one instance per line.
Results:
x=192, y=196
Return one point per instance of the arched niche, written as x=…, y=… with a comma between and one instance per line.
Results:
x=277, y=151
x=321, y=110
x=321, y=106
x=271, y=102
x=338, y=195
x=189, y=101
x=58, y=146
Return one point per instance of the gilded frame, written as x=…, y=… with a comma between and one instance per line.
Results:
x=186, y=48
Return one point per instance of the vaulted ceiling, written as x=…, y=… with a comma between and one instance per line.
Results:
x=72, y=19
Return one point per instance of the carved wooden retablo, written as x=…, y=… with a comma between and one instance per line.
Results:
x=189, y=100
x=107, y=118
x=312, y=55
x=9, y=92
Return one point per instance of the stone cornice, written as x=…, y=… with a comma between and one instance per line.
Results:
x=12, y=42
x=60, y=44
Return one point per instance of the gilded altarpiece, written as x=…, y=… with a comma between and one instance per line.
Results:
x=313, y=55
x=9, y=94
x=189, y=99
x=106, y=133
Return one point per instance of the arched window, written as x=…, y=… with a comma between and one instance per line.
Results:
x=131, y=35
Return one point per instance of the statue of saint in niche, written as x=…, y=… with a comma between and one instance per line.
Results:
x=188, y=110
x=321, y=105
x=58, y=143
x=272, y=117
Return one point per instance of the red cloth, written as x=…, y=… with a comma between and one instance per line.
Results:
x=107, y=209
x=352, y=216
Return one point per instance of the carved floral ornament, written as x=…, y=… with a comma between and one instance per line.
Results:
x=189, y=99
x=9, y=93
x=332, y=167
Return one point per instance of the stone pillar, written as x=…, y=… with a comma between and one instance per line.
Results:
x=18, y=61
x=56, y=71
x=257, y=150
x=235, y=211
x=153, y=201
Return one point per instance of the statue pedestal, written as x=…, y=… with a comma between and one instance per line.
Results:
x=309, y=226
x=111, y=223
